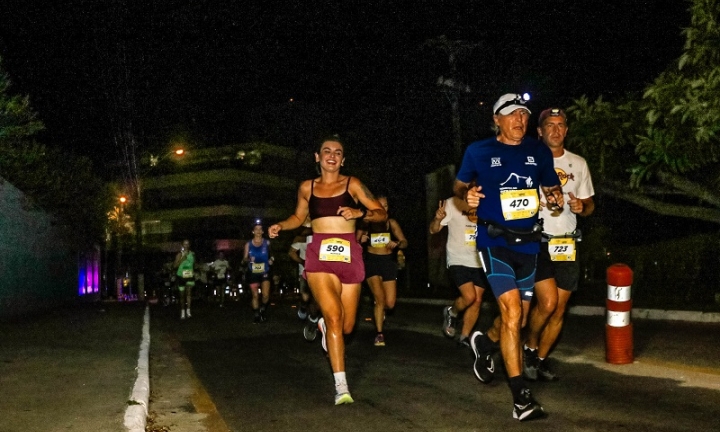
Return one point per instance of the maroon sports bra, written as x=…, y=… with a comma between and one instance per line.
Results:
x=323, y=207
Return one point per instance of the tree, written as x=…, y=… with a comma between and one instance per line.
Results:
x=62, y=184
x=17, y=120
x=666, y=143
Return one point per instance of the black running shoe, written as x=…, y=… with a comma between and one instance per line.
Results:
x=310, y=331
x=526, y=408
x=464, y=342
x=448, y=323
x=484, y=366
x=544, y=373
x=530, y=364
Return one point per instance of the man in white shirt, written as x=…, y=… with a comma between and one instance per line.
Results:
x=220, y=266
x=464, y=265
x=307, y=307
x=557, y=273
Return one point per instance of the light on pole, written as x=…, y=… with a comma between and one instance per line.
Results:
x=139, y=249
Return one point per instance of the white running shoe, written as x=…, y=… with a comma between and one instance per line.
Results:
x=343, y=398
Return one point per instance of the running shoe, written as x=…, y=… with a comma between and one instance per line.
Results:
x=343, y=398
x=530, y=364
x=257, y=319
x=302, y=313
x=464, y=342
x=484, y=365
x=448, y=323
x=544, y=373
x=187, y=313
x=526, y=408
x=310, y=331
x=323, y=330
x=182, y=314
x=379, y=340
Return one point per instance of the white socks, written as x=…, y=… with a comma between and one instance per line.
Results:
x=340, y=383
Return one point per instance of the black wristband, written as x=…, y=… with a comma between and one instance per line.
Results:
x=364, y=213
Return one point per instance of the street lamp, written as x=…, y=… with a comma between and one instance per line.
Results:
x=118, y=226
x=154, y=161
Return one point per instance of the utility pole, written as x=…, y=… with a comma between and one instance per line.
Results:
x=452, y=86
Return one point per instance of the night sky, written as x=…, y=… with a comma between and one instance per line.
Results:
x=223, y=71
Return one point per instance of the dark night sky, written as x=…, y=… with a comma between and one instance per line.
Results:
x=203, y=66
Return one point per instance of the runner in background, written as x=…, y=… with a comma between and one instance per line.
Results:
x=185, y=265
x=307, y=309
x=258, y=259
x=558, y=271
x=464, y=265
x=220, y=267
x=381, y=269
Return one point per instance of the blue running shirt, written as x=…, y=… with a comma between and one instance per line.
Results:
x=510, y=176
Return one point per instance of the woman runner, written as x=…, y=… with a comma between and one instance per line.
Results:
x=333, y=261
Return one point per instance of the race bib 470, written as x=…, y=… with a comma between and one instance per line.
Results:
x=519, y=204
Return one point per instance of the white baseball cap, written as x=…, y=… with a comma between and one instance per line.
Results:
x=509, y=103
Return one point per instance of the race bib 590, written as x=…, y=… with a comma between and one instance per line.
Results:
x=335, y=249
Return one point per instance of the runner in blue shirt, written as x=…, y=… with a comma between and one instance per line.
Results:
x=500, y=177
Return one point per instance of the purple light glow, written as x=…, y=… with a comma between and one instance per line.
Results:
x=89, y=273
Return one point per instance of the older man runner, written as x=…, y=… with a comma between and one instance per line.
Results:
x=507, y=170
x=558, y=272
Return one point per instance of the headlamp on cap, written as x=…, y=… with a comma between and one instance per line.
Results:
x=551, y=112
x=510, y=102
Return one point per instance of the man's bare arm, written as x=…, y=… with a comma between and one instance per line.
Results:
x=460, y=189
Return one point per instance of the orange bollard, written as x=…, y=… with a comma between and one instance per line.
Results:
x=618, y=329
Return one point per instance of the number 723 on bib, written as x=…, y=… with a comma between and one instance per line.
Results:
x=562, y=249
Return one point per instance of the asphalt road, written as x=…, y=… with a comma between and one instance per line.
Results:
x=267, y=377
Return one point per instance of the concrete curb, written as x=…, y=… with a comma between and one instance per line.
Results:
x=136, y=413
x=649, y=314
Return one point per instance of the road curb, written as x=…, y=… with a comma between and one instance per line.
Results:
x=136, y=413
x=649, y=314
